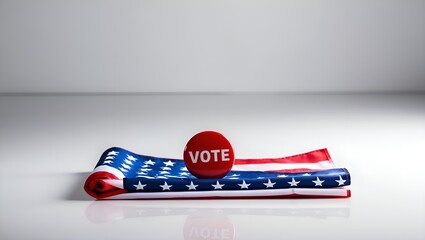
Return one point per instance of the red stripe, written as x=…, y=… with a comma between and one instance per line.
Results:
x=309, y=157
x=296, y=170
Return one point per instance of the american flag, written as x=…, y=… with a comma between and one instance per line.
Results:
x=121, y=174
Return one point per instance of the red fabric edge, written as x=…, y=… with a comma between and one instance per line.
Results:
x=97, y=188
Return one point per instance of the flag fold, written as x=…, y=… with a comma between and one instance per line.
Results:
x=121, y=174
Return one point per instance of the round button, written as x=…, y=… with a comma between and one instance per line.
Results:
x=209, y=155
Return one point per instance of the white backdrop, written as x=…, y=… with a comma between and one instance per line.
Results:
x=167, y=46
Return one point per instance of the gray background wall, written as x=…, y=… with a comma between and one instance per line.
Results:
x=167, y=46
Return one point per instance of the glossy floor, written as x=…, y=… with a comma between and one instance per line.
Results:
x=49, y=144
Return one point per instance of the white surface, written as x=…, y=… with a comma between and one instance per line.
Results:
x=214, y=45
x=48, y=145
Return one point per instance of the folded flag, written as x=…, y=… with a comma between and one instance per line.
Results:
x=121, y=174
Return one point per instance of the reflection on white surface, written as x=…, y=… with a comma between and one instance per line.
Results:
x=212, y=219
x=106, y=211
x=208, y=227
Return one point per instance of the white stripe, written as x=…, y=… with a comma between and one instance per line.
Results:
x=280, y=166
x=115, y=183
x=105, y=168
x=336, y=192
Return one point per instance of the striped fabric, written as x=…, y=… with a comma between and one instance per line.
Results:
x=121, y=174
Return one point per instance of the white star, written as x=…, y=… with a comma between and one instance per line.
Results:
x=183, y=168
x=145, y=169
x=150, y=162
x=166, y=168
x=125, y=166
x=129, y=157
x=217, y=186
x=244, y=185
x=293, y=183
x=169, y=163
x=109, y=157
x=123, y=169
x=283, y=175
x=165, y=186
x=307, y=174
x=191, y=186
x=113, y=153
x=318, y=182
x=164, y=172
x=128, y=162
x=184, y=174
x=108, y=161
x=340, y=181
x=269, y=184
x=140, y=186
x=140, y=173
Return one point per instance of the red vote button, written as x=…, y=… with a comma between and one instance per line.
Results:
x=209, y=155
